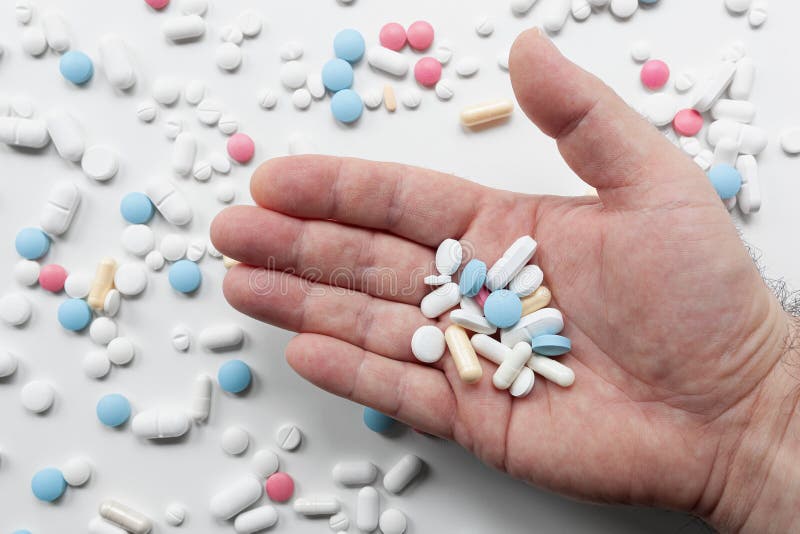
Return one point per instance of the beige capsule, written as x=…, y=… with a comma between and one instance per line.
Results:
x=389, y=98
x=102, y=284
x=486, y=112
x=536, y=301
x=469, y=368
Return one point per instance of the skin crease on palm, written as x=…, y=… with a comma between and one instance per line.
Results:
x=682, y=398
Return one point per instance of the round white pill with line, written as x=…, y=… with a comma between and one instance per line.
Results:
x=8, y=363
x=289, y=437
x=102, y=330
x=96, y=364
x=138, y=239
x=265, y=463
x=173, y=247
x=440, y=300
x=236, y=497
x=184, y=28
x=34, y=43
x=368, y=508
x=62, y=204
x=301, y=98
x=484, y=26
x=684, y=81
x=581, y=9
x=175, y=514
x=166, y=90
x=624, y=9
x=249, y=22
x=173, y=126
x=267, y=98
x=228, y=124
x=28, y=133
x=147, y=110
x=130, y=279
x=523, y=384
x=120, y=351
x=77, y=471
x=402, y=473
x=193, y=7
x=293, y=74
x=154, y=260
x=758, y=13
x=356, y=473
x=444, y=52
x=181, y=338
x=66, y=134
x=37, y=396
x=255, y=520
x=196, y=249
x=202, y=171
x=339, y=522
x=99, y=163
x=235, y=440
x=221, y=337
x=26, y=272
x=15, y=309
x=209, y=111
x=112, y=302
x=231, y=34
x=392, y=521
x=228, y=56
x=194, y=92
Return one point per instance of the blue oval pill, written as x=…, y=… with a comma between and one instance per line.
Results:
x=48, y=484
x=337, y=74
x=76, y=67
x=346, y=106
x=185, y=276
x=32, y=243
x=472, y=278
x=349, y=45
x=137, y=208
x=74, y=314
x=234, y=376
x=726, y=180
x=551, y=345
x=21, y=532
x=648, y=2
x=376, y=421
x=113, y=410
x=502, y=308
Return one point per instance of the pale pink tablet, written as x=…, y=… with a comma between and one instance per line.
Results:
x=482, y=295
x=52, y=277
x=428, y=71
x=688, y=122
x=393, y=36
x=241, y=147
x=655, y=74
x=280, y=487
x=420, y=35
x=157, y=4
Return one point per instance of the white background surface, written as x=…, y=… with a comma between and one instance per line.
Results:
x=458, y=495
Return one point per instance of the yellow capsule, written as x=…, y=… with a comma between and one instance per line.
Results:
x=469, y=368
x=536, y=301
x=229, y=262
x=102, y=284
x=389, y=100
x=486, y=112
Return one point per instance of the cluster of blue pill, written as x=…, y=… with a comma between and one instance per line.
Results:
x=337, y=76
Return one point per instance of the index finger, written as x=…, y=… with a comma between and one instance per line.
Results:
x=424, y=206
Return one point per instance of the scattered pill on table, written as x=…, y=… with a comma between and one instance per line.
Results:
x=393, y=36
x=185, y=276
x=234, y=376
x=349, y=45
x=235, y=440
x=400, y=475
x=392, y=521
x=420, y=35
x=76, y=67
x=175, y=514
x=265, y=463
x=77, y=471
x=241, y=148
x=427, y=344
x=654, y=74
x=113, y=410
x=48, y=485
x=96, y=364
x=280, y=487
x=289, y=437
x=125, y=517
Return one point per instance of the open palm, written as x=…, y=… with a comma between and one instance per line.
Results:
x=667, y=313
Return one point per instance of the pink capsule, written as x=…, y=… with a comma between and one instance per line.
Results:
x=428, y=71
x=52, y=277
x=241, y=147
x=482, y=295
x=393, y=36
x=655, y=74
x=420, y=35
x=688, y=122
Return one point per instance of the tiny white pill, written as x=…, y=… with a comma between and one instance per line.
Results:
x=138, y=239
x=56, y=31
x=624, y=8
x=316, y=506
x=526, y=281
x=196, y=249
x=228, y=124
x=249, y=22
x=467, y=66
x=235, y=440
x=265, y=463
x=684, y=81
x=544, y=321
x=236, y=497
x=293, y=74
x=26, y=272
x=34, y=43
x=117, y=62
x=339, y=522
x=444, y=52
x=112, y=302
x=267, y=98
x=202, y=171
x=444, y=89
x=209, y=111
x=15, y=309
x=184, y=152
x=641, y=51
x=99, y=163
x=160, y=424
x=315, y=85
x=520, y=7
x=62, y=204
x=289, y=437
x=301, y=98
x=147, y=110
x=291, y=50
x=201, y=399
x=194, y=92
x=181, y=338
x=387, y=60
x=758, y=13
x=220, y=163
x=120, y=350
x=393, y=521
x=173, y=126
x=166, y=90
x=368, y=509
x=102, y=330
x=256, y=520
x=440, y=300
x=37, y=396
x=790, y=140
x=23, y=11
x=96, y=364
x=184, y=28
x=742, y=83
x=66, y=134
x=704, y=159
x=357, y=473
x=169, y=202
x=231, y=34
x=449, y=255
x=428, y=344
x=130, y=279
x=193, y=7
x=8, y=363
x=175, y=514
x=173, y=247
x=402, y=473
x=228, y=56
x=225, y=193
x=484, y=26
x=373, y=97
x=154, y=260
x=77, y=471
x=738, y=6
x=712, y=89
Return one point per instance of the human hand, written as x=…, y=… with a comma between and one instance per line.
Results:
x=680, y=398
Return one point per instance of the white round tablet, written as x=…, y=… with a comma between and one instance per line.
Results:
x=120, y=351
x=99, y=163
x=37, y=396
x=641, y=51
x=301, y=98
x=166, y=90
x=102, y=330
x=231, y=34
x=228, y=124
x=444, y=52
x=225, y=193
x=411, y=97
x=77, y=285
x=154, y=260
x=249, y=22
x=194, y=92
x=790, y=140
x=196, y=249
x=373, y=98
x=235, y=440
x=181, y=338
x=147, y=111
x=96, y=364
x=293, y=74
x=172, y=247
x=228, y=56
x=138, y=239
x=77, y=471
x=392, y=521
x=467, y=66
x=33, y=41
x=130, y=279
x=209, y=111
x=202, y=171
x=484, y=26
x=265, y=463
x=289, y=437
x=175, y=514
x=267, y=98
x=112, y=302
x=427, y=344
x=291, y=50
x=15, y=309
x=220, y=162
x=26, y=272
x=8, y=363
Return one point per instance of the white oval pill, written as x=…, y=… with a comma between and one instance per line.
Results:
x=368, y=509
x=289, y=437
x=624, y=8
x=15, y=309
x=34, y=43
x=449, y=256
x=77, y=471
x=220, y=163
x=228, y=56
x=175, y=514
x=236, y=497
x=440, y=300
x=112, y=302
x=99, y=163
x=166, y=90
x=138, y=239
x=392, y=521
x=267, y=98
x=120, y=351
x=130, y=279
x=194, y=92
x=66, y=134
x=62, y=204
x=96, y=364
x=293, y=74
x=265, y=463
x=169, y=202
x=339, y=522
x=160, y=424
x=387, y=60
x=209, y=111
x=358, y=473
x=232, y=34
x=193, y=7
x=184, y=28
x=117, y=63
x=316, y=506
x=23, y=11
x=8, y=363
x=523, y=384
x=660, y=108
x=37, y=396
x=402, y=473
x=221, y=337
x=26, y=272
x=526, y=281
x=249, y=22
x=196, y=250
x=444, y=52
x=235, y=440
x=56, y=31
x=256, y=520
x=315, y=85
x=301, y=98
x=790, y=140
x=102, y=330
x=181, y=338
x=147, y=110
x=467, y=66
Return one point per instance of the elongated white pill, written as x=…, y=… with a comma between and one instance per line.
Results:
x=169, y=202
x=316, y=506
x=556, y=15
x=511, y=263
x=368, y=509
x=541, y=322
x=183, y=153
x=235, y=497
x=749, y=196
x=28, y=133
x=62, y=203
x=387, y=60
x=440, y=300
x=552, y=370
x=116, y=61
x=201, y=398
x=449, y=256
x=726, y=152
x=472, y=322
x=256, y=519
x=402, y=473
x=711, y=90
x=221, y=337
x=735, y=110
x=511, y=366
x=526, y=281
x=357, y=473
x=752, y=140
x=66, y=134
x=160, y=424
x=743, y=79
x=126, y=517
x=184, y=28
x=55, y=31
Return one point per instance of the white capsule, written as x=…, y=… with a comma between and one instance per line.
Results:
x=169, y=202
x=624, y=8
x=387, y=60
x=221, y=337
x=184, y=28
x=293, y=74
x=228, y=56
x=467, y=66
x=34, y=43
x=56, y=31
x=209, y=111
x=520, y=7
x=28, y=133
x=117, y=62
x=402, y=473
x=291, y=50
x=358, y=473
x=472, y=322
x=66, y=134
x=556, y=15
x=738, y=6
x=8, y=363
x=742, y=83
x=735, y=110
x=316, y=506
x=127, y=518
x=368, y=508
x=449, y=256
x=513, y=260
x=711, y=90
x=552, y=370
x=512, y=365
x=726, y=152
x=98, y=525
x=256, y=519
x=440, y=300
x=540, y=322
x=160, y=424
x=752, y=140
x=265, y=463
x=749, y=196
x=62, y=204
x=183, y=153
x=201, y=398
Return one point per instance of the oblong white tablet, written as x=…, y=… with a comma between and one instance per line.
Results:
x=183, y=153
x=160, y=424
x=56, y=31
x=472, y=322
x=440, y=300
x=449, y=256
x=236, y=497
x=357, y=473
x=527, y=281
x=66, y=134
x=220, y=337
x=62, y=203
x=387, y=60
x=28, y=133
x=511, y=263
x=184, y=28
x=540, y=322
x=169, y=202
x=368, y=508
x=37, y=396
x=116, y=62
x=256, y=520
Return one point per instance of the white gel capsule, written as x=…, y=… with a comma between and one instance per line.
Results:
x=711, y=90
x=544, y=321
x=184, y=28
x=512, y=365
x=742, y=83
x=440, y=300
x=235, y=497
x=256, y=519
x=511, y=263
x=62, y=203
x=402, y=473
x=221, y=337
x=752, y=140
x=160, y=424
x=183, y=153
x=98, y=525
x=28, y=133
x=735, y=110
x=56, y=31
x=66, y=134
x=117, y=62
x=316, y=506
x=358, y=473
x=448, y=256
x=552, y=370
x=749, y=196
x=726, y=152
x=472, y=322
x=387, y=60
x=368, y=509
x=126, y=517
x=201, y=398
x=169, y=202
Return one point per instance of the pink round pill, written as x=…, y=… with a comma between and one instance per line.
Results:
x=482, y=295
x=428, y=71
x=157, y=4
x=241, y=147
x=420, y=35
x=280, y=487
x=52, y=277
x=688, y=122
x=655, y=74
x=393, y=36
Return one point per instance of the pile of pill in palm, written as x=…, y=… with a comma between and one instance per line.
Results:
x=508, y=297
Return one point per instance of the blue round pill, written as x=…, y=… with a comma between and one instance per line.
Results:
x=76, y=67
x=234, y=376
x=137, y=208
x=337, y=74
x=648, y=2
x=472, y=278
x=21, y=532
x=726, y=180
x=376, y=421
x=113, y=410
x=48, y=484
x=551, y=345
x=502, y=308
x=74, y=314
x=32, y=243
x=185, y=276
x=349, y=45
x=346, y=106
